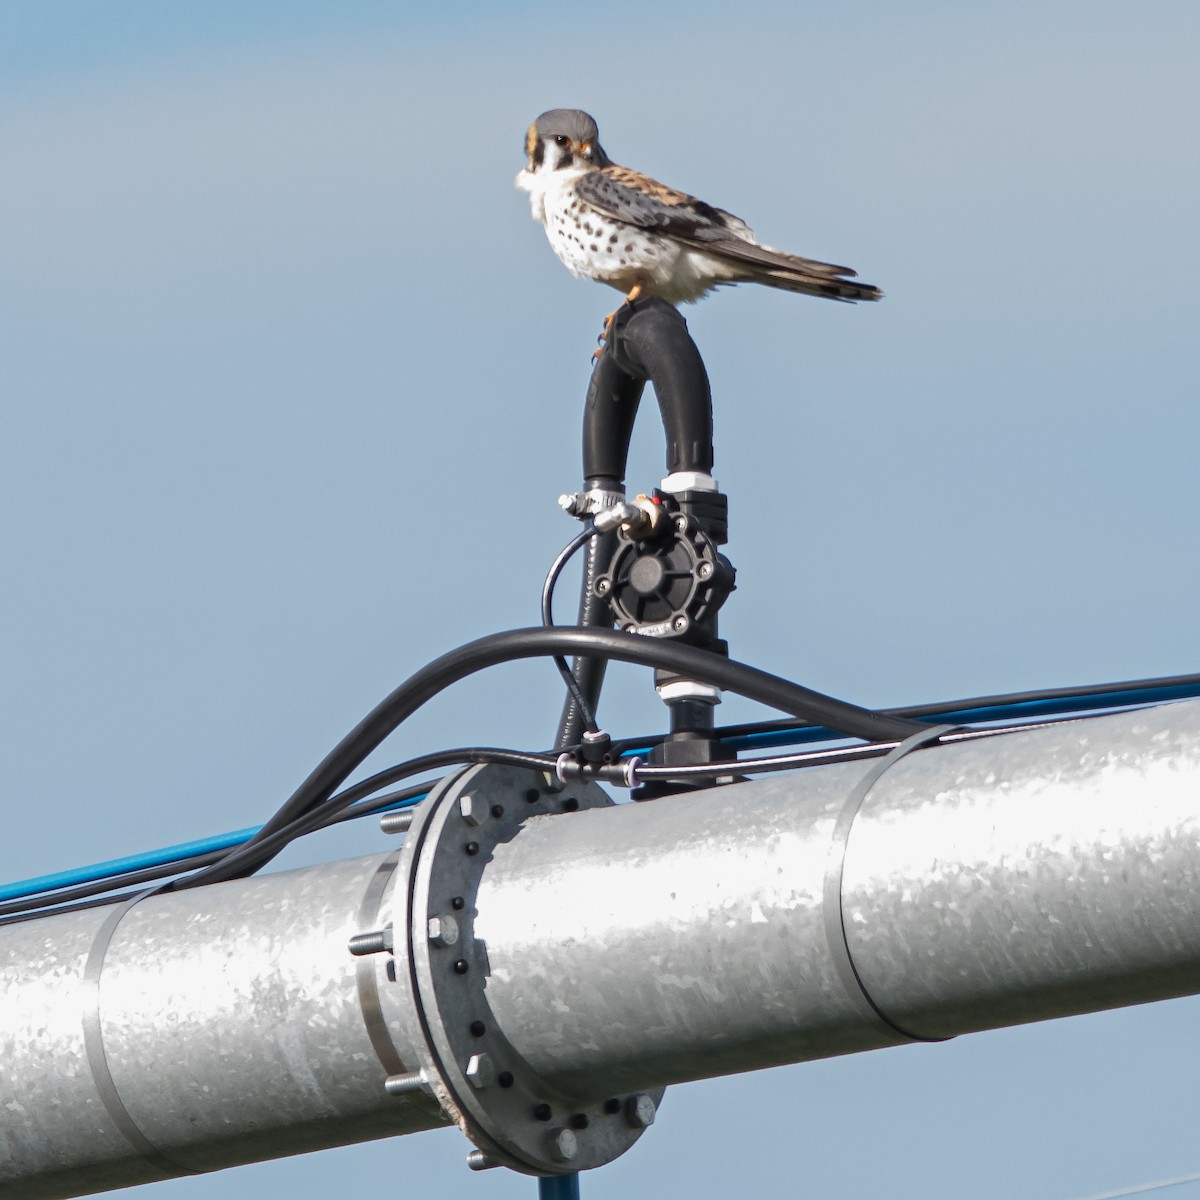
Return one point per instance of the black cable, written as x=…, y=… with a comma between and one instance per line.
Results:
x=942, y=707
x=517, y=644
x=352, y=802
x=556, y=569
x=43, y=904
x=252, y=855
x=436, y=760
x=812, y=758
x=593, y=612
x=348, y=804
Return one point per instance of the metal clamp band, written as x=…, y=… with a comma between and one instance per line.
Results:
x=93, y=1041
x=365, y=979
x=835, y=921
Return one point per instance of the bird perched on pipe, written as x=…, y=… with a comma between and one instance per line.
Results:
x=620, y=227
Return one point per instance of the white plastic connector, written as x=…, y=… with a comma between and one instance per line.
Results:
x=688, y=481
x=688, y=689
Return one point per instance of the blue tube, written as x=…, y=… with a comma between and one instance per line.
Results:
x=558, y=1187
x=1025, y=710
x=119, y=866
x=150, y=858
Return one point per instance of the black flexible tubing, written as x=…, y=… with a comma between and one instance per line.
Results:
x=517, y=644
x=45, y=904
x=435, y=761
x=594, y=612
x=254, y=854
x=821, y=758
x=574, y=691
x=336, y=810
x=941, y=707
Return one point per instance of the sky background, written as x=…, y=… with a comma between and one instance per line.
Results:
x=291, y=384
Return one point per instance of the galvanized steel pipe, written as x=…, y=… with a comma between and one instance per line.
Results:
x=204, y=1030
x=988, y=883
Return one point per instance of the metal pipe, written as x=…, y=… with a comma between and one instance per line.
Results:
x=984, y=884
x=199, y=1030
x=599, y=952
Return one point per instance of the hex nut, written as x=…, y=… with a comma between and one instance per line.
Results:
x=473, y=809
x=481, y=1071
x=443, y=930
x=564, y=1145
x=640, y=1111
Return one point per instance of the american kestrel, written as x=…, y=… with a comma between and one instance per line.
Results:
x=620, y=227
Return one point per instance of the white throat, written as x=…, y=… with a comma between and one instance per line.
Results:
x=547, y=181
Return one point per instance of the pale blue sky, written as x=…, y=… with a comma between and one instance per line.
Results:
x=291, y=383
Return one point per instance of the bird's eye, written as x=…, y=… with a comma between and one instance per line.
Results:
x=562, y=140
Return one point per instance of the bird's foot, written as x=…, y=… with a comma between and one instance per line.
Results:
x=603, y=337
x=634, y=293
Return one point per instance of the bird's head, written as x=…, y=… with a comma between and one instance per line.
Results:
x=561, y=139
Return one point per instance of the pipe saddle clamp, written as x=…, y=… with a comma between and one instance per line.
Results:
x=481, y=1081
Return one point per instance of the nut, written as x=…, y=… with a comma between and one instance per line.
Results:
x=443, y=930
x=564, y=1145
x=640, y=1111
x=473, y=808
x=481, y=1071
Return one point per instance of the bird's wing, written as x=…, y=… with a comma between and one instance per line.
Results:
x=636, y=199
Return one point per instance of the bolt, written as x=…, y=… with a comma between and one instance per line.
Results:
x=477, y=1028
x=680, y=623
x=473, y=809
x=497, y=811
x=542, y=1112
x=681, y=522
x=506, y=1079
x=564, y=1145
x=570, y=804
x=443, y=930
x=532, y=795
x=458, y=904
x=472, y=848
x=481, y=1070
x=402, y=1085
x=397, y=822
x=461, y=967
x=478, y=1161
x=603, y=586
x=704, y=570
x=375, y=942
x=640, y=1111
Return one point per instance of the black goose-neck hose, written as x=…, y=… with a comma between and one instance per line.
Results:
x=648, y=341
